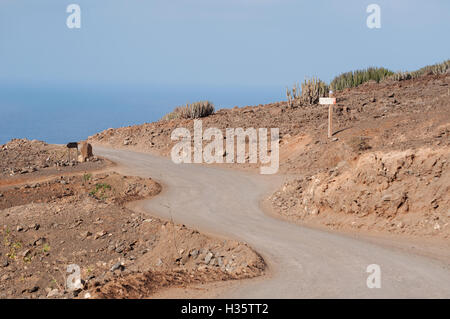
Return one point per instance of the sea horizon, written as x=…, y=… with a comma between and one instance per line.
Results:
x=61, y=115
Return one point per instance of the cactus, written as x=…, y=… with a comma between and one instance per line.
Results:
x=309, y=93
x=293, y=96
x=191, y=111
x=312, y=90
x=358, y=77
x=436, y=69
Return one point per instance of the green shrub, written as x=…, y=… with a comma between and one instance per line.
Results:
x=102, y=187
x=358, y=77
x=191, y=111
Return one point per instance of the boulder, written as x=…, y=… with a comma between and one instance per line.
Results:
x=86, y=152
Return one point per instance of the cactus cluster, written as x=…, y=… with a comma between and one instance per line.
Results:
x=309, y=93
x=439, y=68
x=358, y=77
x=312, y=90
x=293, y=96
x=191, y=111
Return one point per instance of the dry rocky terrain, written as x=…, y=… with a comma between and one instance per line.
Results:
x=55, y=221
x=23, y=159
x=385, y=169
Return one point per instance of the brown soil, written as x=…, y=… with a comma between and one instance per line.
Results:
x=24, y=160
x=385, y=169
x=82, y=220
x=79, y=217
x=402, y=192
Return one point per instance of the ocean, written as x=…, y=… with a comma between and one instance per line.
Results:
x=62, y=115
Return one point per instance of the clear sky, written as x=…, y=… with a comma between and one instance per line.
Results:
x=213, y=43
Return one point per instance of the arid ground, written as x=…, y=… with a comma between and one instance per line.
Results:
x=386, y=169
x=377, y=192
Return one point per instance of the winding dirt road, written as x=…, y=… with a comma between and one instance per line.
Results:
x=303, y=263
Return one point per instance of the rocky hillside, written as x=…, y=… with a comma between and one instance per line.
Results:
x=405, y=192
x=386, y=167
x=376, y=116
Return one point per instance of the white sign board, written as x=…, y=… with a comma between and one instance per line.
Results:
x=327, y=100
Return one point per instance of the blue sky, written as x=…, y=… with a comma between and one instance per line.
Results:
x=213, y=43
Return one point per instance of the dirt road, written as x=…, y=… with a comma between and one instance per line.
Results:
x=302, y=262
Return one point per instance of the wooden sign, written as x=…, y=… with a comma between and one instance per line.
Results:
x=329, y=101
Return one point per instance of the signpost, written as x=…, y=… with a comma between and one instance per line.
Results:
x=70, y=146
x=329, y=101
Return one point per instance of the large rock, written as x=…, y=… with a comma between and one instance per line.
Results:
x=86, y=152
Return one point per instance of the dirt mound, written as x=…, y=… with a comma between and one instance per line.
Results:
x=22, y=156
x=399, y=191
x=108, y=187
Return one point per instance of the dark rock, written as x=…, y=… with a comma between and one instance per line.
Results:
x=117, y=266
x=33, y=289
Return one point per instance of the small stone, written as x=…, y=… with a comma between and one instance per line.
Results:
x=119, y=249
x=25, y=253
x=117, y=266
x=34, y=226
x=76, y=292
x=208, y=257
x=33, y=289
x=100, y=234
x=194, y=253
x=53, y=293
x=19, y=228
x=38, y=241
x=85, y=234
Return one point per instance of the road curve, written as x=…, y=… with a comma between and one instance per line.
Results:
x=303, y=263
